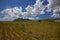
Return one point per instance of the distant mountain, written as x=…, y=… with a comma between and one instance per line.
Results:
x=20, y=19
x=58, y=19
x=54, y=19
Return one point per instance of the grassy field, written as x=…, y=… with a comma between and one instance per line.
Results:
x=30, y=30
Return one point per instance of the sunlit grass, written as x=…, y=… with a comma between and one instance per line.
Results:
x=30, y=30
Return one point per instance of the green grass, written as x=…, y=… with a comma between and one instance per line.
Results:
x=30, y=30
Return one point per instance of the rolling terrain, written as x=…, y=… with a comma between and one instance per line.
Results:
x=30, y=30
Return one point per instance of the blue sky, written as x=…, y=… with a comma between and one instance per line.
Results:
x=13, y=3
x=6, y=4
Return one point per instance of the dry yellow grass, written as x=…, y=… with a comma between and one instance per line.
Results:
x=30, y=30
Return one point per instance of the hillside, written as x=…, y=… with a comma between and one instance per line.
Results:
x=30, y=30
x=20, y=19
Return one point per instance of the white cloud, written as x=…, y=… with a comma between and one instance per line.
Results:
x=37, y=8
x=31, y=11
x=55, y=6
x=12, y=12
x=31, y=18
x=55, y=15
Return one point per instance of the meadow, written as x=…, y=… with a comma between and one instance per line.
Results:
x=30, y=30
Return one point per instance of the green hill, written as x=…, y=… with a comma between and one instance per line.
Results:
x=30, y=30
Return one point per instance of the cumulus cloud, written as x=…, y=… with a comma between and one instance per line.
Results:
x=55, y=6
x=33, y=18
x=31, y=11
x=10, y=13
x=55, y=15
x=38, y=8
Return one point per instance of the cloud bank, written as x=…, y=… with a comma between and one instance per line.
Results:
x=31, y=11
x=55, y=6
